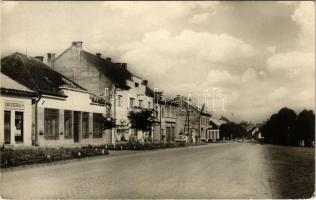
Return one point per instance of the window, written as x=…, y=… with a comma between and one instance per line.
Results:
x=51, y=124
x=140, y=103
x=7, y=127
x=68, y=124
x=149, y=105
x=131, y=102
x=119, y=101
x=97, y=125
x=136, y=84
x=85, y=125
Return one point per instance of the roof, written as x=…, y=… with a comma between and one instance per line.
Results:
x=9, y=83
x=11, y=87
x=114, y=71
x=149, y=92
x=217, y=122
x=35, y=75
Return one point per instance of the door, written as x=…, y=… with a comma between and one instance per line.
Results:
x=18, y=127
x=7, y=127
x=76, y=126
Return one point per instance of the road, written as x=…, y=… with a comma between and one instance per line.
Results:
x=225, y=170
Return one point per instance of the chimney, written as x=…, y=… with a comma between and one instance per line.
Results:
x=77, y=44
x=108, y=59
x=98, y=54
x=145, y=82
x=40, y=58
x=124, y=65
x=51, y=59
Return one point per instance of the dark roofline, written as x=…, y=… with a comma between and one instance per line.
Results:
x=17, y=92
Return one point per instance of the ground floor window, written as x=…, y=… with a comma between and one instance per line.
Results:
x=98, y=121
x=85, y=125
x=7, y=127
x=51, y=124
x=68, y=124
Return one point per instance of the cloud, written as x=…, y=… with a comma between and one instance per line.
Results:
x=200, y=18
x=293, y=65
x=189, y=54
x=304, y=16
x=279, y=93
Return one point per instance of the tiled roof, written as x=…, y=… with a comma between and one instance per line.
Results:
x=35, y=75
x=113, y=71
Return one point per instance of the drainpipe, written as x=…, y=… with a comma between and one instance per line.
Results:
x=36, y=119
x=114, y=117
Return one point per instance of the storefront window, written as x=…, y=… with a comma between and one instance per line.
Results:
x=51, y=124
x=68, y=124
x=85, y=125
x=19, y=127
x=97, y=125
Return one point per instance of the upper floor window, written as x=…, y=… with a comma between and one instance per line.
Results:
x=140, y=103
x=119, y=100
x=136, y=84
x=131, y=102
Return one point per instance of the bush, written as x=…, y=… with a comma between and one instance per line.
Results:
x=15, y=157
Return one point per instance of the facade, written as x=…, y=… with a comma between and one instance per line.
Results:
x=137, y=97
x=191, y=120
x=213, y=132
x=15, y=109
x=101, y=76
x=62, y=112
x=167, y=116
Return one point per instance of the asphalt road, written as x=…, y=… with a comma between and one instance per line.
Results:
x=227, y=170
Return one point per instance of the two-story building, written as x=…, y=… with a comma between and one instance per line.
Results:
x=167, y=116
x=63, y=112
x=191, y=120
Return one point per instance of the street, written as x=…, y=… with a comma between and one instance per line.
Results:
x=224, y=170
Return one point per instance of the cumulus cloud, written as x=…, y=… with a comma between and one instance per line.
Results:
x=294, y=65
x=304, y=16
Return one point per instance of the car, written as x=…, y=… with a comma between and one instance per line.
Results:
x=182, y=138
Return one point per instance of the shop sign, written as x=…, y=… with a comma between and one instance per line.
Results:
x=14, y=105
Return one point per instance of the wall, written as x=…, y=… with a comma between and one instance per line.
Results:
x=76, y=101
x=27, y=118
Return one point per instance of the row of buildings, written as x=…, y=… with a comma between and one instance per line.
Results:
x=79, y=98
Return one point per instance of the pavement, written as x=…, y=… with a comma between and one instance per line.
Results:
x=223, y=170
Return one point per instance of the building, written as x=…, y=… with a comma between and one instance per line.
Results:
x=191, y=120
x=213, y=132
x=101, y=76
x=167, y=116
x=16, y=109
x=63, y=112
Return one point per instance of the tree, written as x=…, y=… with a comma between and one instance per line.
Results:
x=304, y=128
x=232, y=130
x=142, y=119
x=279, y=128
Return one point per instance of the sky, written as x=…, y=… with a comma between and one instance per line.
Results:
x=244, y=60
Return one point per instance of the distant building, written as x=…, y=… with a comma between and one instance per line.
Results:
x=191, y=120
x=167, y=116
x=213, y=132
x=63, y=112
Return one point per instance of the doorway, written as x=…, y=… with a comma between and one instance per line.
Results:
x=76, y=126
x=18, y=127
